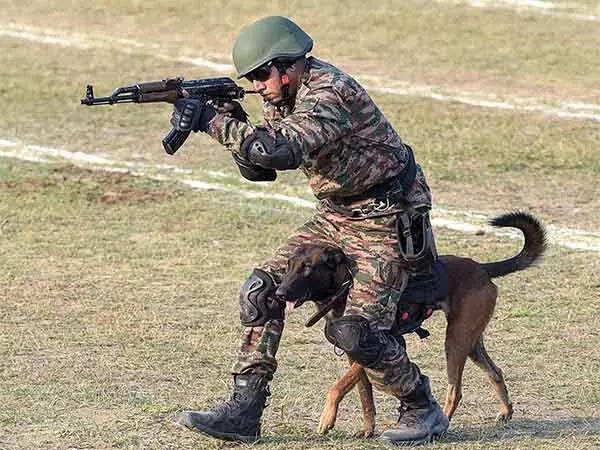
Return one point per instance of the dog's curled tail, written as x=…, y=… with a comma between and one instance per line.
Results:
x=534, y=247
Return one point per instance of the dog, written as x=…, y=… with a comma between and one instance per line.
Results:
x=322, y=275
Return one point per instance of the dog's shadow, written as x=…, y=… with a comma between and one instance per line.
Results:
x=519, y=429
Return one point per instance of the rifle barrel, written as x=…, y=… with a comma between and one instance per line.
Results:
x=109, y=100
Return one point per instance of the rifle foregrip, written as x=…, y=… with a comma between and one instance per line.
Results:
x=174, y=140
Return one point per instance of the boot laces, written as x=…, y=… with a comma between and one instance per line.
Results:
x=237, y=397
x=223, y=407
x=408, y=415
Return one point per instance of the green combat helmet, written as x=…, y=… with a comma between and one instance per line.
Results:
x=267, y=39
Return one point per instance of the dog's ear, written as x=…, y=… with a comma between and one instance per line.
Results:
x=334, y=257
x=339, y=262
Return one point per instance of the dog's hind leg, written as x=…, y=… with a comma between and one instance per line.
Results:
x=456, y=357
x=335, y=395
x=365, y=392
x=471, y=308
x=461, y=333
x=466, y=321
x=480, y=357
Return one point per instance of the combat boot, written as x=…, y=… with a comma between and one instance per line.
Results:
x=237, y=419
x=421, y=418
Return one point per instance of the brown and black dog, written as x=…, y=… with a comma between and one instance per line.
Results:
x=316, y=273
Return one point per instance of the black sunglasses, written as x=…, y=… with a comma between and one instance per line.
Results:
x=261, y=73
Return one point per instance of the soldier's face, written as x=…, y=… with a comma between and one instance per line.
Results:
x=268, y=83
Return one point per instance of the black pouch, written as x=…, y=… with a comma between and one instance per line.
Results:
x=415, y=239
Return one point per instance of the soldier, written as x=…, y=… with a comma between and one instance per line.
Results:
x=373, y=205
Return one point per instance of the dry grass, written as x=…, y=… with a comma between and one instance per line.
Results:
x=119, y=315
x=119, y=294
x=423, y=42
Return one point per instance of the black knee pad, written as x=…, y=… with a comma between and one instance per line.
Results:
x=258, y=303
x=353, y=335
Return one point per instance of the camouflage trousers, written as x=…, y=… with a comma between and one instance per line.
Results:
x=372, y=246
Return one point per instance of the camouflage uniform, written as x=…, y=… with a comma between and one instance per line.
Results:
x=347, y=147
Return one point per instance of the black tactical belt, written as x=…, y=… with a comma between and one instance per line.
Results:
x=390, y=190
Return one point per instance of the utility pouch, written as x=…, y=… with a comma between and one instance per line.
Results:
x=415, y=239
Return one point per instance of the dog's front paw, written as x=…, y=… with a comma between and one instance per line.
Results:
x=324, y=428
x=365, y=434
x=504, y=416
x=327, y=420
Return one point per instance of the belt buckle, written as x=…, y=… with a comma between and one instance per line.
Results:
x=376, y=207
x=359, y=212
x=382, y=206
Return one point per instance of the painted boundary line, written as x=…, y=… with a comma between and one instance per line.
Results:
x=559, y=10
x=454, y=220
x=567, y=110
x=561, y=109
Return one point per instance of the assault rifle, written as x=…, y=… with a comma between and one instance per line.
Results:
x=214, y=90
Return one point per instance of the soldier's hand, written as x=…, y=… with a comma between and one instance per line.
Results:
x=233, y=109
x=192, y=114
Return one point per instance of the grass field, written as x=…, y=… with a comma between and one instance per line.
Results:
x=119, y=291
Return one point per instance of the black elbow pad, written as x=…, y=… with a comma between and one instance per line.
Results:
x=271, y=151
x=253, y=172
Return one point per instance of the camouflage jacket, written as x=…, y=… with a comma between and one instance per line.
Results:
x=347, y=144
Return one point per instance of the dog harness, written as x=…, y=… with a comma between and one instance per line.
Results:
x=419, y=300
x=415, y=306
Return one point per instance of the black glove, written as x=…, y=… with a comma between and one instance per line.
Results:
x=253, y=172
x=234, y=109
x=192, y=114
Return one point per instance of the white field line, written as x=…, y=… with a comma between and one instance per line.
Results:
x=456, y=220
x=87, y=42
x=563, y=109
x=559, y=10
x=569, y=110
x=36, y=153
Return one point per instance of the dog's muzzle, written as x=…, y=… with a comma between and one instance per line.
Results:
x=290, y=303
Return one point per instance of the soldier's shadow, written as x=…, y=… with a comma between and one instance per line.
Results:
x=519, y=429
